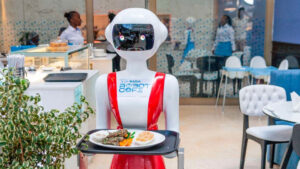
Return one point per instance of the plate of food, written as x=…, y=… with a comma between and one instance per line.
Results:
x=129, y=139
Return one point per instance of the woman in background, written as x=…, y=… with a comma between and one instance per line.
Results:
x=240, y=24
x=224, y=44
x=73, y=34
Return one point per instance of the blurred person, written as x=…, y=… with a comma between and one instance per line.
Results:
x=240, y=24
x=190, y=44
x=73, y=34
x=224, y=43
x=61, y=30
x=33, y=39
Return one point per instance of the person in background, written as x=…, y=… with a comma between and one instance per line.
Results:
x=224, y=44
x=61, y=30
x=240, y=24
x=190, y=44
x=110, y=49
x=33, y=39
x=73, y=34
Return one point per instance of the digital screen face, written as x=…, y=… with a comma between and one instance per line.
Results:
x=133, y=37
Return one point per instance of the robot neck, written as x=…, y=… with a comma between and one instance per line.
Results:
x=136, y=67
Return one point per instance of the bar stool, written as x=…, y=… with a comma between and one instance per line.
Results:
x=257, y=62
x=284, y=65
x=233, y=69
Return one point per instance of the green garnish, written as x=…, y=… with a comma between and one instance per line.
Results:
x=130, y=135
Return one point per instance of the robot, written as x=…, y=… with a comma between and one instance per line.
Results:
x=137, y=96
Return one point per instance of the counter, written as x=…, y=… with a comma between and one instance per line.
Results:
x=60, y=95
x=103, y=64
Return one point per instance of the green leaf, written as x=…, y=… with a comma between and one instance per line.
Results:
x=2, y=143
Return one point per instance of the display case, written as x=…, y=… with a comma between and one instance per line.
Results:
x=75, y=57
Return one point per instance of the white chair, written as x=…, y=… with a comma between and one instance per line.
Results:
x=252, y=100
x=293, y=62
x=259, y=63
x=235, y=63
x=284, y=65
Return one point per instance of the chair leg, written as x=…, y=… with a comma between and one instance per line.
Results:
x=219, y=90
x=263, y=155
x=233, y=85
x=272, y=153
x=243, y=152
x=224, y=97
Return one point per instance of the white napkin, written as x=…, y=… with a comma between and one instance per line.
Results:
x=295, y=101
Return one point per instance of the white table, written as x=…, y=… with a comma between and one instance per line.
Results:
x=102, y=64
x=283, y=111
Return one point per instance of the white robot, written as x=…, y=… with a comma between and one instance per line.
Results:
x=137, y=96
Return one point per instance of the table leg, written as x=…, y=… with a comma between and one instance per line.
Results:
x=224, y=96
x=180, y=158
x=218, y=95
x=287, y=155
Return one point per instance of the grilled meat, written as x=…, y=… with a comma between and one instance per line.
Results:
x=112, y=140
x=119, y=133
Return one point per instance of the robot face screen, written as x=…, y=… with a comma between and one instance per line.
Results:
x=133, y=37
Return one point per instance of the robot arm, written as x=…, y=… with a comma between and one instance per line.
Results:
x=171, y=103
x=102, y=104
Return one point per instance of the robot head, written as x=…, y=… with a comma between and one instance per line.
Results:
x=136, y=33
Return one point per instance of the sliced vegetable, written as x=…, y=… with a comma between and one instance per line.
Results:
x=126, y=142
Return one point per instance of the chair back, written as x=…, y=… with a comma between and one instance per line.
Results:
x=296, y=139
x=293, y=62
x=233, y=62
x=253, y=98
x=287, y=79
x=284, y=65
x=258, y=62
x=208, y=64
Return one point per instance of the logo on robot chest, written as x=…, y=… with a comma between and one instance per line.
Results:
x=133, y=87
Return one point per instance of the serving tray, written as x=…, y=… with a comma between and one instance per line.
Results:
x=170, y=145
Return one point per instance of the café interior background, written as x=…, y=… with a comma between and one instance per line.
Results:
x=45, y=17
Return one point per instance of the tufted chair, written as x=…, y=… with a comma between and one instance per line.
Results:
x=296, y=141
x=252, y=100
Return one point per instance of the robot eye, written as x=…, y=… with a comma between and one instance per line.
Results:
x=122, y=38
x=142, y=37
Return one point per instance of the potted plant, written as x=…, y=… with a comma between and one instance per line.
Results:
x=31, y=137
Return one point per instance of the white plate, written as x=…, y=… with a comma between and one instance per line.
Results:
x=158, y=138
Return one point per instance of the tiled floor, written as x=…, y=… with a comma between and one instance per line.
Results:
x=212, y=140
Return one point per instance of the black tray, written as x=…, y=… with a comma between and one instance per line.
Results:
x=168, y=146
x=65, y=77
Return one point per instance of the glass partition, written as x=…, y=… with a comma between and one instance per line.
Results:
x=42, y=18
x=200, y=41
